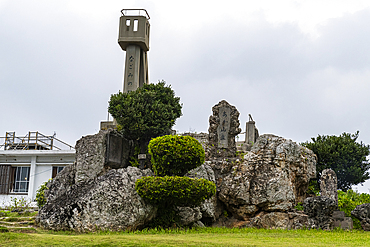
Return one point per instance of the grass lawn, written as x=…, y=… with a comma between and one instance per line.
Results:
x=193, y=237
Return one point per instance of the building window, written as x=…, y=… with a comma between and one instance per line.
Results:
x=56, y=170
x=22, y=177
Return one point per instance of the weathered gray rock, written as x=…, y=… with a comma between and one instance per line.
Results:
x=209, y=207
x=223, y=127
x=320, y=212
x=279, y=220
x=108, y=202
x=97, y=154
x=189, y=215
x=272, y=177
x=328, y=184
x=362, y=213
x=61, y=183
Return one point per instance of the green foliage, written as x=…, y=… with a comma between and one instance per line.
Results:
x=177, y=191
x=343, y=155
x=299, y=206
x=347, y=201
x=133, y=160
x=148, y=112
x=40, y=194
x=175, y=155
x=313, y=188
x=167, y=217
x=19, y=204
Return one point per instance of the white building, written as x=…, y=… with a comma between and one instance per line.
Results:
x=27, y=162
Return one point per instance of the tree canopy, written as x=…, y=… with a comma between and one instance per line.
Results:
x=343, y=155
x=148, y=112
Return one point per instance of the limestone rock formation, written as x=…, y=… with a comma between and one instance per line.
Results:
x=208, y=209
x=189, y=215
x=96, y=154
x=108, y=202
x=362, y=213
x=320, y=211
x=273, y=177
x=279, y=220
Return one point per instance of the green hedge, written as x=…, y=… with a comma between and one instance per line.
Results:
x=177, y=191
x=175, y=155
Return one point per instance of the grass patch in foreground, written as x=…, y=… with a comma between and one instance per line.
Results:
x=192, y=237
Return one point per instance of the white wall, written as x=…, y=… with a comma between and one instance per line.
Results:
x=42, y=161
x=43, y=174
x=5, y=200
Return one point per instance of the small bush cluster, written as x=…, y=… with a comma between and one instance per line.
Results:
x=178, y=191
x=20, y=205
x=173, y=155
x=347, y=201
x=40, y=194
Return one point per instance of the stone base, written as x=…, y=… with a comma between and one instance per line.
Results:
x=105, y=125
x=340, y=220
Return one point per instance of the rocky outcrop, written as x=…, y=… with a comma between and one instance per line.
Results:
x=108, y=202
x=362, y=213
x=273, y=177
x=320, y=211
x=189, y=215
x=259, y=190
x=279, y=220
x=208, y=209
x=97, y=154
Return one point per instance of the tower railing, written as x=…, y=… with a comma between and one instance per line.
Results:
x=34, y=140
x=138, y=12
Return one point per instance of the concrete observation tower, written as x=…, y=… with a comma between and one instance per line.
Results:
x=133, y=38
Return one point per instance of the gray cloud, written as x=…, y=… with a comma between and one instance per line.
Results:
x=58, y=70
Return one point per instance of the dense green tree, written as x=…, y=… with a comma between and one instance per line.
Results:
x=148, y=112
x=343, y=155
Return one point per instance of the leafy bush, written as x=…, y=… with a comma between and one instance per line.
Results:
x=177, y=191
x=175, y=155
x=347, y=201
x=40, y=195
x=19, y=204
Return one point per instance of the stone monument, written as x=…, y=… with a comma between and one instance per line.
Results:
x=223, y=127
x=328, y=184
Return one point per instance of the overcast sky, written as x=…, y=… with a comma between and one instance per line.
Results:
x=301, y=68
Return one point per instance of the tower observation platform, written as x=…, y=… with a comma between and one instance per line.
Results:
x=133, y=38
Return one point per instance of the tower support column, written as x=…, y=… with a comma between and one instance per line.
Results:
x=132, y=68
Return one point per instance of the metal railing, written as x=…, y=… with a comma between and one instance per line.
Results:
x=129, y=12
x=34, y=140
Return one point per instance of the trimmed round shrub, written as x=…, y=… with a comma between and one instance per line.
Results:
x=174, y=190
x=175, y=155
